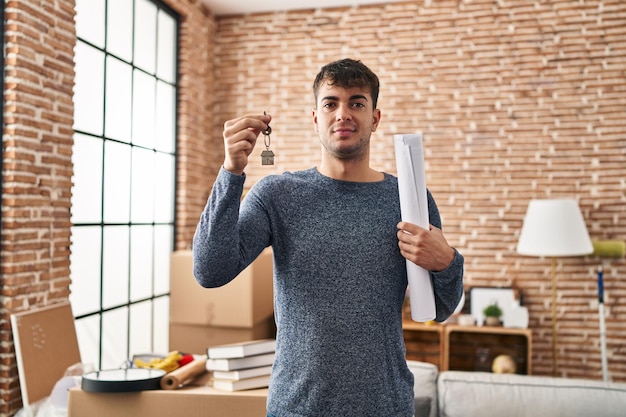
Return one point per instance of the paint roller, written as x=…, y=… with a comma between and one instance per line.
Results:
x=605, y=249
x=609, y=248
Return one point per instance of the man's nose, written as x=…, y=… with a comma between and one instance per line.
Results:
x=343, y=112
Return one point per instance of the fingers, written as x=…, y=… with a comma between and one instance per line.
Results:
x=426, y=248
x=409, y=239
x=409, y=228
x=251, y=123
x=240, y=136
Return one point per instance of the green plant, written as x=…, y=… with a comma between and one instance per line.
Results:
x=492, y=310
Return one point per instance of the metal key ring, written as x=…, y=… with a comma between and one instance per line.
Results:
x=266, y=137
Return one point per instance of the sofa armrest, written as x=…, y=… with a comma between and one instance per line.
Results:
x=425, y=386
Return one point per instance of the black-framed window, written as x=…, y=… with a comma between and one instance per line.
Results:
x=123, y=195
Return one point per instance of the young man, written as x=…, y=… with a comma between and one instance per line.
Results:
x=339, y=257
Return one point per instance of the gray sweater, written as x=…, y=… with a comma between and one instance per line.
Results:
x=339, y=286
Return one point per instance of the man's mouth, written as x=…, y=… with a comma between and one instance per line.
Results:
x=343, y=130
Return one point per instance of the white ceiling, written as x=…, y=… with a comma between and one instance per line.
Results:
x=227, y=7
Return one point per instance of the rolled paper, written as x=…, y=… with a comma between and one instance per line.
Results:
x=609, y=248
x=185, y=374
x=414, y=209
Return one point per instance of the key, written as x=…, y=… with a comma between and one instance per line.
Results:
x=267, y=156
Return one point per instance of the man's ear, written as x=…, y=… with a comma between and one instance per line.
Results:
x=375, y=120
x=314, y=115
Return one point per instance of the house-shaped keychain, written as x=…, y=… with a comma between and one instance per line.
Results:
x=267, y=157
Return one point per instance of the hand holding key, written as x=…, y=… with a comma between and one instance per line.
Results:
x=240, y=135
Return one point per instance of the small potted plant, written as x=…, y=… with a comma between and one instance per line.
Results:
x=492, y=315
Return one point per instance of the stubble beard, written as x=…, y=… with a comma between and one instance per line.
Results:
x=357, y=151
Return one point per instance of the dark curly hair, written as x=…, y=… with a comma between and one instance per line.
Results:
x=348, y=73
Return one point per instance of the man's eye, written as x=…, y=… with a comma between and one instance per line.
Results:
x=358, y=105
x=329, y=105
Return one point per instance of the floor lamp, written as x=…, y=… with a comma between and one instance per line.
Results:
x=554, y=228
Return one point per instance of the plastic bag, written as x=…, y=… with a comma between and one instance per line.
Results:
x=56, y=404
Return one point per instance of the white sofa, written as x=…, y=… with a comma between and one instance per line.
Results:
x=482, y=394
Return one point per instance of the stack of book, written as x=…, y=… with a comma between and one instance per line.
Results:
x=241, y=366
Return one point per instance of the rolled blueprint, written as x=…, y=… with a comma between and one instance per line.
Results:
x=185, y=374
x=414, y=209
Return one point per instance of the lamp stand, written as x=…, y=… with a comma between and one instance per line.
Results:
x=554, y=339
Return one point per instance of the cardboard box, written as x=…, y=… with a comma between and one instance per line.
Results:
x=187, y=402
x=243, y=302
x=195, y=338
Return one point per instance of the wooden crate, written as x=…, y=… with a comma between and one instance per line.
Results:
x=475, y=348
x=467, y=348
x=423, y=342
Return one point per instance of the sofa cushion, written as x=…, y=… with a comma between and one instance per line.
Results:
x=425, y=385
x=483, y=394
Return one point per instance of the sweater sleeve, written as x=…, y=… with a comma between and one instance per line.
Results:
x=228, y=237
x=447, y=284
x=448, y=287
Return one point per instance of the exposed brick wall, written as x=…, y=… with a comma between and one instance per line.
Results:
x=37, y=141
x=37, y=168
x=198, y=153
x=516, y=99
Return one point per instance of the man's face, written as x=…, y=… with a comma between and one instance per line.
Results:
x=345, y=120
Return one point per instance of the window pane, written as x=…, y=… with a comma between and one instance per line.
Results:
x=120, y=28
x=88, y=89
x=115, y=266
x=164, y=195
x=163, y=245
x=141, y=328
x=116, y=183
x=118, y=100
x=166, y=65
x=85, y=270
x=145, y=35
x=87, y=179
x=141, y=262
x=88, y=335
x=114, y=338
x=90, y=21
x=143, y=186
x=144, y=96
x=161, y=324
x=165, y=117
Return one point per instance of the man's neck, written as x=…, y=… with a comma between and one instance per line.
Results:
x=349, y=170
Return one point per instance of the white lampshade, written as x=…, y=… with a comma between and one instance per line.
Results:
x=554, y=228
